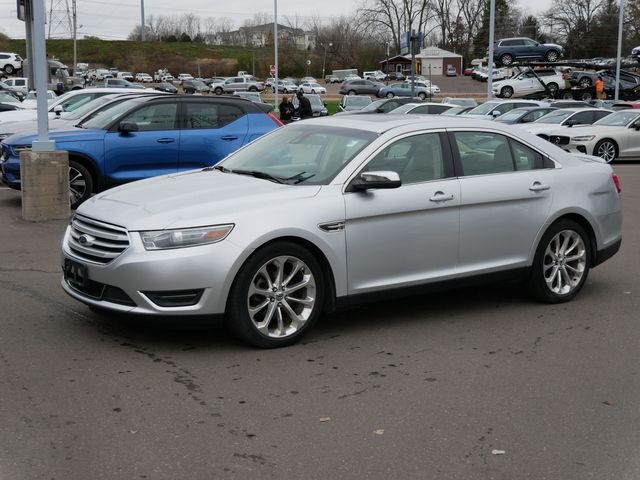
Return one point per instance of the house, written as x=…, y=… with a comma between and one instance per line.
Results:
x=398, y=63
x=262, y=35
x=434, y=61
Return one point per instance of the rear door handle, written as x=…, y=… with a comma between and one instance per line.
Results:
x=228, y=138
x=166, y=140
x=539, y=187
x=441, y=197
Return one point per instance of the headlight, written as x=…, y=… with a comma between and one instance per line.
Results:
x=19, y=148
x=189, y=237
x=584, y=138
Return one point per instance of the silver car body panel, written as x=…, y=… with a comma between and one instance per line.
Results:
x=372, y=241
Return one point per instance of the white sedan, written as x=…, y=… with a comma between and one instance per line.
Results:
x=310, y=87
x=615, y=137
x=565, y=117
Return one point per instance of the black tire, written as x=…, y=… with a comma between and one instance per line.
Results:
x=237, y=318
x=352, y=92
x=604, y=148
x=9, y=70
x=586, y=96
x=567, y=96
x=553, y=88
x=253, y=89
x=313, y=91
x=389, y=95
x=218, y=91
x=585, y=82
x=80, y=184
x=552, y=56
x=422, y=96
x=506, y=92
x=537, y=284
x=506, y=59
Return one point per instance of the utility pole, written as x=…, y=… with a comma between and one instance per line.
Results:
x=324, y=60
x=620, y=23
x=275, y=51
x=492, y=21
x=387, y=69
x=413, y=62
x=143, y=28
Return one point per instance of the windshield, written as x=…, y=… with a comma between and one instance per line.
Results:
x=455, y=111
x=407, y=107
x=89, y=107
x=5, y=97
x=355, y=101
x=618, y=119
x=511, y=116
x=301, y=154
x=373, y=106
x=484, y=108
x=315, y=101
x=554, y=117
x=104, y=118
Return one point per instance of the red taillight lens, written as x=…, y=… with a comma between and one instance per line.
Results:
x=616, y=182
x=275, y=119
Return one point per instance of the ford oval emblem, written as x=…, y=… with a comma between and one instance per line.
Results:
x=86, y=240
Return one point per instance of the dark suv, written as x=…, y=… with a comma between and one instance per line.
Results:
x=360, y=87
x=508, y=50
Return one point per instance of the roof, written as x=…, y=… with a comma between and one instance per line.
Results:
x=435, y=52
x=397, y=58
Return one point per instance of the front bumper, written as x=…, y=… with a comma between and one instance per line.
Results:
x=9, y=169
x=207, y=269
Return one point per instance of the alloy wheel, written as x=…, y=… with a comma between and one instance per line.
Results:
x=565, y=260
x=281, y=296
x=77, y=185
x=607, y=151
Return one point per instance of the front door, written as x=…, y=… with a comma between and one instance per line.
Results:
x=408, y=235
x=150, y=151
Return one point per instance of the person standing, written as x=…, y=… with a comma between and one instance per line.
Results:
x=286, y=110
x=304, y=106
x=600, y=95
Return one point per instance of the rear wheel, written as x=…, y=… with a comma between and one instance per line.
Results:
x=9, y=69
x=276, y=297
x=551, y=56
x=586, y=96
x=567, y=96
x=218, y=91
x=422, y=96
x=313, y=91
x=506, y=59
x=553, y=88
x=506, y=92
x=585, y=82
x=253, y=89
x=80, y=183
x=561, y=264
x=390, y=95
x=351, y=92
x=607, y=150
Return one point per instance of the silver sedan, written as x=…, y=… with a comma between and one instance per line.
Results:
x=327, y=213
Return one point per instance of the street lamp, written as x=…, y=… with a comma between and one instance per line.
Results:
x=324, y=61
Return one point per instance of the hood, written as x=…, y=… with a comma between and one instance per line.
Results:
x=190, y=199
x=55, y=123
x=70, y=135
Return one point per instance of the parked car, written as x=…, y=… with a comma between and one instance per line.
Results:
x=404, y=90
x=194, y=86
x=144, y=78
x=582, y=78
x=467, y=71
x=351, y=103
x=331, y=79
x=384, y=105
x=612, y=104
x=30, y=101
x=9, y=103
x=528, y=82
x=255, y=98
x=318, y=107
x=10, y=63
x=395, y=76
x=565, y=117
x=166, y=87
x=239, y=84
x=451, y=71
x=224, y=255
x=311, y=87
x=453, y=111
x=376, y=76
x=524, y=115
x=184, y=76
x=614, y=137
x=635, y=53
x=308, y=80
x=494, y=108
x=125, y=76
x=360, y=87
x=467, y=102
x=146, y=136
x=422, y=108
x=570, y=104
x=4, y=88
x=120, y=83
x=213, y=80
x=286, y=86
x=352, y=76
x=18, y=84
x=508, y=50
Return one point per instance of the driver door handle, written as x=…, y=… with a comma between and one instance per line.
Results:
x=539, y=187
x=441, y=197
x=228, y=138
x=166, y=140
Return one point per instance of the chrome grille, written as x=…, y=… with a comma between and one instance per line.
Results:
x=97, y=241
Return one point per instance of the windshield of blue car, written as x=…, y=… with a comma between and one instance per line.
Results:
x=618, y=119
x=301, y=154
x=484, y=108
x=103, y=119
x=555, y=117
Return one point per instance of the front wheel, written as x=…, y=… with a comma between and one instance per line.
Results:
x=506, y=59
x=561, y=264
x=551, y=56
x=253, y=89
x=80, y=184
x=422, y=96
x=607, y=150
x=218, y=91
x=585, y=82
x=553, y=88
x=9, y=69
x=390, y=95
x=276, y=297
x=567, y=96
x=506, y=92
x=351, y=92
x=313, y=91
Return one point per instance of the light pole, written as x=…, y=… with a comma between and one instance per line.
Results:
x=75, y=36
x=142, y=27
x=492, y=19
x=387, y=69
x=619, y=53
x=275, y=52
x=324, y=61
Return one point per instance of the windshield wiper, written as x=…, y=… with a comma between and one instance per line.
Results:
x=220, y=168
x=258, y=174
x=299, y=178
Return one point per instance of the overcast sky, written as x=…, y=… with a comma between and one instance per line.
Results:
x=114, y=19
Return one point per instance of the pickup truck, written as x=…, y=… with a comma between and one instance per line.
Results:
x=238, y=84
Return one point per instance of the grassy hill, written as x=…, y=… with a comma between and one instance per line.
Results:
x=176, y=56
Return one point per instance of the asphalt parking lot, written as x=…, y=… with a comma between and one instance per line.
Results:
x=429, y=387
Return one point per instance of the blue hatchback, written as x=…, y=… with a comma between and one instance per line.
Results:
x=146, y=137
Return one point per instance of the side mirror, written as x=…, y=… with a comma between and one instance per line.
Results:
x=495, y=114
x=127, y=127
x=58, y=110
x=380, y=110
x=376, y=180
x=571, y=122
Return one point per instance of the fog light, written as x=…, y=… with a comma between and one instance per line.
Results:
x=581, y=148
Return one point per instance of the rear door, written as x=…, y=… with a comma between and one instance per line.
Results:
x=152, y=150
x=209, y=132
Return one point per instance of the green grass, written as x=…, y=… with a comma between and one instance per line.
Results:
x=332, y=106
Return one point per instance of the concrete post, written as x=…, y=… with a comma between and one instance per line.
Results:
x=45, y=185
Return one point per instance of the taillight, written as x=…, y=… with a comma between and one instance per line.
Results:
x=616, y=182
x=275, y=119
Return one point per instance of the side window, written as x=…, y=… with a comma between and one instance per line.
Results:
x=529, y=43
x=3, y=57
x=583, y=118
x=210, y=115
x=437, y=108
x=422, y=109
x=504, y=107
x=416, y=159
x=483, y=153
x=388, y=106
x=70, y=104
x=526, y=158
x=598, y=115
x=517, y=43
x=159, y=116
